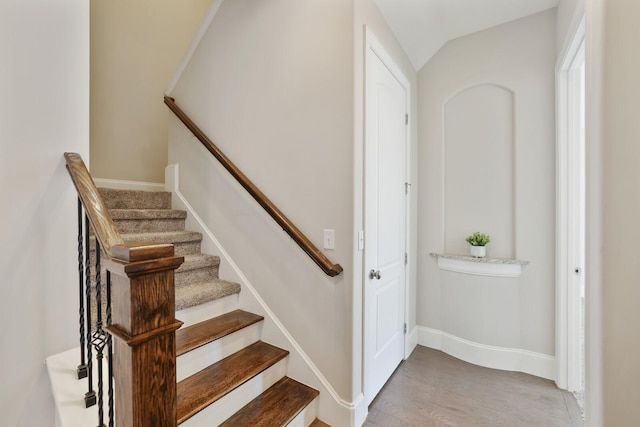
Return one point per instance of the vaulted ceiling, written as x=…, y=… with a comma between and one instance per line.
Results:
x=424, y=26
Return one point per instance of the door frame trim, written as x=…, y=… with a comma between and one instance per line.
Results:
x=565, y=315
x=372, y=43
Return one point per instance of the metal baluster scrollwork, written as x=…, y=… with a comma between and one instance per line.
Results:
x=109, y=352
x=90, y=395
x=82, y=367
x=99, y=340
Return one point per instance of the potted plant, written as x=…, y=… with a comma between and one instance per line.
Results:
x=478, y=242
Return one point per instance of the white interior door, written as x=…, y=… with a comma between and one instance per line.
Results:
x=385, y=216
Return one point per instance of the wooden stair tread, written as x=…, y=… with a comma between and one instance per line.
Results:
x=277, y=406
x=318, y=423
x=209, y=385
x=210, y=330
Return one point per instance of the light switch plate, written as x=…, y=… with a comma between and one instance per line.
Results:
x=329, y=239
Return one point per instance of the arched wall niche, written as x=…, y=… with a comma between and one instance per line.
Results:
x=479, y=148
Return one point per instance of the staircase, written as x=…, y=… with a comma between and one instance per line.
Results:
x=226, y=374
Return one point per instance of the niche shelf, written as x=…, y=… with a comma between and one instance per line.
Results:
x=495, y=267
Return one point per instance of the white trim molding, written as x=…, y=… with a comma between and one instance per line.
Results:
x=128, y=185
x=567, y=311
x=506, y=359
x=411, y=341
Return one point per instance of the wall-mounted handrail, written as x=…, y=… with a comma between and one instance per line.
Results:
x=316, y=255
x=99, y=216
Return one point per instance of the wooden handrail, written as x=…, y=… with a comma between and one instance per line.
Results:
x=99, y=216
x=318, y=257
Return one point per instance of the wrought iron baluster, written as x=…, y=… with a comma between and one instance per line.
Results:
x=90, y=395
x=109, y=352
x=82, y=367
x=98, y=340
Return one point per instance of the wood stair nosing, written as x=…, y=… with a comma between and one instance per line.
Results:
x=212, y=383
x=277, y=406
x=318, y=423
x=202, y=333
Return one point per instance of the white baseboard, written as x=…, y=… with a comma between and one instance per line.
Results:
x=411, y=342
x=360, y=411
x=331, y=407
x=507, y=359
x=128, y=185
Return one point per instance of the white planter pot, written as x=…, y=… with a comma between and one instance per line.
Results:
x=478, y=251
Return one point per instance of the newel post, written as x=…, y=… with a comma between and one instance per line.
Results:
x=143, y=327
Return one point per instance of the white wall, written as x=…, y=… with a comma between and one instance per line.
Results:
x=620, y=208
x=135, y=46
x=272, y=84
x=44, y=79
x=519, y=57
x=568, y=18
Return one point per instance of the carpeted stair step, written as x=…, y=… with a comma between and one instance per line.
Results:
x=202, y=333
x=196, y=293
x=198, y=391
x=187, y=295
x=185, y=242
x=148, y=220
x=197, y=268
x=275, y=407
x=135, y=199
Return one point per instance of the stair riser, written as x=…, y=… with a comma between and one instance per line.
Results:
x=200, y=313
x=127, y=199
x=219, y=411
x=197, y=275
x=149, y=225
x=187, y=248
x=198, y=359
x=306, y=416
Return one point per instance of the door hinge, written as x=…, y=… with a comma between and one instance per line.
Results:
x=405, y=328
x=406, y=119
x=406, y=187
x=405, y=258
